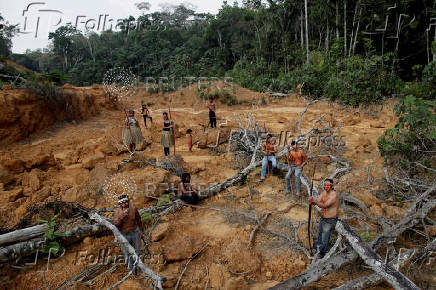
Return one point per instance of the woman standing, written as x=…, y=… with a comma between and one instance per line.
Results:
x=132, y=135
x=166, y=139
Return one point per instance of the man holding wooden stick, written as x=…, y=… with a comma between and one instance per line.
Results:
x=128, y=221
x=328, y=201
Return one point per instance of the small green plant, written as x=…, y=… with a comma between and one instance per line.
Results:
x=52, y=246
x=163, y=199
x=146, y=217
x=226, y=98
x=367, y=236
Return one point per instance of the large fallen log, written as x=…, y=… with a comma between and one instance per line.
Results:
x=127, y=248
x=399, y=260
x=394, y=277
x=23, y=234
x=15, y=251
x=337, y=261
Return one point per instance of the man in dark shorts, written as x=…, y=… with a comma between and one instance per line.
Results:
x=146, y=114
x=212, y=116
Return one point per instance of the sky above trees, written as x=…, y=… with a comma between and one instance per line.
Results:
x=80, y=11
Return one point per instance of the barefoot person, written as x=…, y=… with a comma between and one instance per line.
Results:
x=186, y=192
x=269, y=150
x=189, y=139
x=328, y=201
x=297, y=160
x=212, y=109
x=146, y=114
x=132, y=135
x=166, y=139
x=128, y=221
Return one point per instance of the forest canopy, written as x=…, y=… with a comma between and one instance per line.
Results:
x=351, y=50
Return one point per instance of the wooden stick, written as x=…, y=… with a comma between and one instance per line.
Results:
x=310, y=210
x=172, y=131
x=186, y=265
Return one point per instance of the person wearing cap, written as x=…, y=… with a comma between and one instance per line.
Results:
x=128, y=221
x=328, y=201
x=269, y=150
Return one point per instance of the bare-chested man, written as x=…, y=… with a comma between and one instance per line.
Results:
x=212, y=116
x=297, y=160
x=328, y=201
x=269, y=150
x=128, y=221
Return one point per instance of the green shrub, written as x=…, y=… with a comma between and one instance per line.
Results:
x=415, y=132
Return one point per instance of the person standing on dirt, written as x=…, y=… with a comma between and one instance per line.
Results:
x=166, y=139
x=212, y=109
x=128, y=221
x=189, y=139
x=185, y=191
x=269, y=150
x=297, y=160
x=132, y=135
x=328, y=201
x=146, y=114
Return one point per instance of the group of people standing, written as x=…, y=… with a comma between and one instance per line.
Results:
x=132, y=136
x=297, y=159
x=127, y=218
x=328, y=200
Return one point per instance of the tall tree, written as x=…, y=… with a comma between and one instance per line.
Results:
x=7, y=31
x=307, y=33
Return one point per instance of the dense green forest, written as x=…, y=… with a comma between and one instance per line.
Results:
x=349, y=50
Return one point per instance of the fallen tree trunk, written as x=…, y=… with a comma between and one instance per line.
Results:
x=337, y=261
x=12, y=252
x=397, y=279
x=372, y=280
x=127, y=248
x=23, y=234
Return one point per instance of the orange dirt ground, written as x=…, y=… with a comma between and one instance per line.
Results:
x=71, y=161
